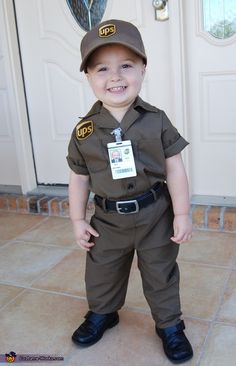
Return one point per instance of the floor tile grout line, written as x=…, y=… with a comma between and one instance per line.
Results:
x=224, y=288
x=136, y=310
x=74, y=246
x=35, y=226
x=29, y=288
x=227, y=324
x=147, y=311
x=39, y=244
x=206, y=264
x=125, y=307
x=65, y=294
x=22, y=240
x=6, y=244
x=204, y=345
x=214, y=320
x=13, y=299
x=68, y=252
x=58, y=293
x=212, y=323
x=27, y=230
x=207, y=339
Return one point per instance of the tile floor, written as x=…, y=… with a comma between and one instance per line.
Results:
x=42, y=298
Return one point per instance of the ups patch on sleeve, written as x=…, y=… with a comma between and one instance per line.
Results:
x=84, y=130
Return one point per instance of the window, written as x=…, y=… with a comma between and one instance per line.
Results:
x=87, y=13
x=219, y=17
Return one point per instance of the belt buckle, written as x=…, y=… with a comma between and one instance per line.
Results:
x=119, y=209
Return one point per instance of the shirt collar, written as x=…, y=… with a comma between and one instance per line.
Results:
x=138, y=103
x=96, y=108
x=105, y=120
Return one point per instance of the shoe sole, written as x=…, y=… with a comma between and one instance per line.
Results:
x=180, y=361
x=84, y=345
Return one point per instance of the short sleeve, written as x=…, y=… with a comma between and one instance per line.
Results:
x=173, y=143
x=74, y=158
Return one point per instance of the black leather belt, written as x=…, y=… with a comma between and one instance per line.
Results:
x=133, y=205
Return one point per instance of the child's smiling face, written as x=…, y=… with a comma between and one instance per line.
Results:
x=115, y=74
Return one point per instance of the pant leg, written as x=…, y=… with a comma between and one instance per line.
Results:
x=160, y=278
x=108, y=263
x=107, y=280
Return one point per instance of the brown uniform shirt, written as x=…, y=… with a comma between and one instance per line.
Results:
x=153, y=139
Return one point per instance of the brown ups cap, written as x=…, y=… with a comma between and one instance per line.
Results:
x=109, y=32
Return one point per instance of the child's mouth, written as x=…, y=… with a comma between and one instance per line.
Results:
x=117, y=89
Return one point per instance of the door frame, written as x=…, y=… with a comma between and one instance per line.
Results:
x=21, y=127
x=21, y=123
x=179, y=76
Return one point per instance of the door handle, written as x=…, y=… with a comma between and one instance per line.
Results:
x=161, y=9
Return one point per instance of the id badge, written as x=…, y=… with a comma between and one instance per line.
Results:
x=121, y=159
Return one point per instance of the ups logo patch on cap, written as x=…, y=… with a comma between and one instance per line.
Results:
x=107, y=30
x=84, y=130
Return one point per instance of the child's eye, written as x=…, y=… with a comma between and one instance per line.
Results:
x=126, y=66
x=102, y=69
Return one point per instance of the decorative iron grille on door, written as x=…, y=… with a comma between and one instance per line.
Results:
x=87, y=13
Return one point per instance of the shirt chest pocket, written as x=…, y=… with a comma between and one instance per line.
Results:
x=151, y=154
x=95, y=155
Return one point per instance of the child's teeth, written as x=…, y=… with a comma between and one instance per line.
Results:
x=117, y=88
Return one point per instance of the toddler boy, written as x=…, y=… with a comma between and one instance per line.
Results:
x=141, y=199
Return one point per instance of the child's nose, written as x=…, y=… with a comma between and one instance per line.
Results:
x=115, y=75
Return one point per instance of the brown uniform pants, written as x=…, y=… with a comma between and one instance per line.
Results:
x=109, y=261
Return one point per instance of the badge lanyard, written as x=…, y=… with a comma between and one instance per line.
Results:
x=121, y=156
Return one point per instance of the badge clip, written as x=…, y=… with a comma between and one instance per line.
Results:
x=117, y=132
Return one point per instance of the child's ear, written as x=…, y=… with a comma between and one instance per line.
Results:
x=143, y=70
x=87, y=76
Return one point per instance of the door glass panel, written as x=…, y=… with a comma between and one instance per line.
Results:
x=219, y=17
x=87, y=13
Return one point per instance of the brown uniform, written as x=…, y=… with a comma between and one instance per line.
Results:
x=148, y=231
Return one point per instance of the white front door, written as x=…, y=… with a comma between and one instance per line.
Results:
x=180, y=53
x=210, y=44
x=57, y=93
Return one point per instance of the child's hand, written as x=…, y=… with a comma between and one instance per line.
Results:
x=83, y=231
x=182, y=229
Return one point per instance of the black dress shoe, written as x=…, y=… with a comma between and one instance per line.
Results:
x=92, y=329
x=176, y=345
